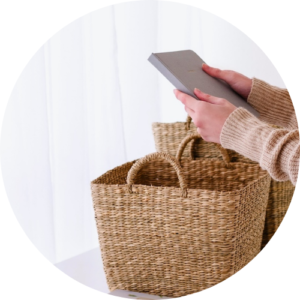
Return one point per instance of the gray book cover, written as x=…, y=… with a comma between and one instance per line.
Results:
x=184, y=70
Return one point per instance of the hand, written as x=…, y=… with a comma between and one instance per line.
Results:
x=209, y=115
x=238, y=82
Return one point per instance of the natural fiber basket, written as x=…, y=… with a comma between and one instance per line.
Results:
x=280, y=197
x=173, y=230
x=281, y=193
x=168, y=136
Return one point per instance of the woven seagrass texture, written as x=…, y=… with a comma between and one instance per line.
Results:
x=193, y=138
x=168, y=137
x=174, y=229
x=281, y=194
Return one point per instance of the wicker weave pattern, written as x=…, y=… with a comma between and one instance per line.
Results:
x=194, y=138
x=280, y=197
x=168, y=137
x=154, y=239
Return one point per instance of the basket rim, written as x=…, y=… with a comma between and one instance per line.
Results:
x=178, y=189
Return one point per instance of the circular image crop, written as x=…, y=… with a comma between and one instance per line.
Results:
x=138, y=150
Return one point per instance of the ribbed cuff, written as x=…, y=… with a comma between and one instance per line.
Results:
x=281, y=155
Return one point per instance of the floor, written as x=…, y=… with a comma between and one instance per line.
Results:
x=87, y=268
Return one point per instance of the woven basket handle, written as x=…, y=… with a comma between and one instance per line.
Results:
x=188, y=122
x=194, y=137
x=154, y=156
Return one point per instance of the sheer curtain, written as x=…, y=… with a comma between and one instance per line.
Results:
x=85, y=103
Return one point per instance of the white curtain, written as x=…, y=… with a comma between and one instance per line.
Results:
x=85, y=103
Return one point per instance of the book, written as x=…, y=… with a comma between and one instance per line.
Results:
x=184, y=70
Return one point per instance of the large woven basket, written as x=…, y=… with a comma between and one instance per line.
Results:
x=168, y=136
x=173, y=230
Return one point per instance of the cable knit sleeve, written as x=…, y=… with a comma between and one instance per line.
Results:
x=274, y=104
x=276, y=150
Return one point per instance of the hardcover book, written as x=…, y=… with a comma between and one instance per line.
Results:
x=184, y=70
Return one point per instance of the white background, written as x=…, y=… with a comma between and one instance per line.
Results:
x=271, y=273
x=85, y=102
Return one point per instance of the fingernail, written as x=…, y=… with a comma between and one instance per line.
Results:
x=204, y=64
x=196, y=90
x=174, y=91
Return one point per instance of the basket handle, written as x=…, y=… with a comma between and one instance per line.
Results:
x=188, y=122
x=150, y=157
x=194, y=137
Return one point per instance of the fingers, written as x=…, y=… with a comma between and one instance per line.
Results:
x=231, y=77
x=187, y=100
x=217, y=73
x=192, y=103
x=239, y=82
x=208, y=98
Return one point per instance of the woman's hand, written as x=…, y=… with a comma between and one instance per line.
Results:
x=238, y=82
x=209, y=115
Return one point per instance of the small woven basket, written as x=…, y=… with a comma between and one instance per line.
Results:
x=167, y=138
x=171, y=229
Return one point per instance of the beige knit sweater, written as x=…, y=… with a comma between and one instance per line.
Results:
x=276, y=150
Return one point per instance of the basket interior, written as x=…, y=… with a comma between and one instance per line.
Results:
x=206, y=174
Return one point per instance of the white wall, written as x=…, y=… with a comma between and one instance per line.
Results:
x=85, y=103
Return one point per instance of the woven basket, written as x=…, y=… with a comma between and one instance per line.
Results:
x=172, y=230
x=168, y=136
x=281, y=193
x=280, y=197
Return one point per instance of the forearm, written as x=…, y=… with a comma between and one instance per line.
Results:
x=274, y=104
x=276, y=150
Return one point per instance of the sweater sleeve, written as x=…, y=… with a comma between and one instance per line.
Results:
x=276, y=150
x=274, y=104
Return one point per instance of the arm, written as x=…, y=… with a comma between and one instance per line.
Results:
x=276, y=150
x=274, y=104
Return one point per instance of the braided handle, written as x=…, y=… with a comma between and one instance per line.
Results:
x=194, y=137
x=154, y=156
x=188, y=122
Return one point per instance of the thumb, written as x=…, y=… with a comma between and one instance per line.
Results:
x=208, y=98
